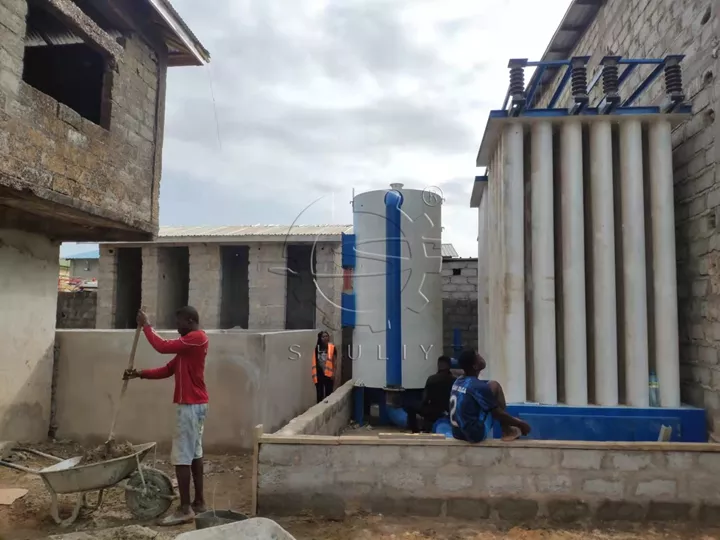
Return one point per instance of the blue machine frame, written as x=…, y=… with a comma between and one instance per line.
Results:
x=524, y=106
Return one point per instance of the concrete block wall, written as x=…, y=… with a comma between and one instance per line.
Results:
x=655, y=28
x=150, y=286
x=325, y=418
x=51, y=151
x=205, y=283
x=107, y=287
x=329, y=272
x=460, y=302
x=28, y=303
x=268, y=286
x=565, y=482
x=76, y=309
x=248, y=375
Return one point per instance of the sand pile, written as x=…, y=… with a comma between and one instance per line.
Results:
x=105, y=452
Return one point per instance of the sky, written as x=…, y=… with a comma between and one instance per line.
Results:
x=310, y=99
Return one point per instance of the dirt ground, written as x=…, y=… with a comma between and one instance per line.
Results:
x=228, y=485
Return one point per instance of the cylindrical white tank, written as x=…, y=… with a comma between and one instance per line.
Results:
x=421, y=297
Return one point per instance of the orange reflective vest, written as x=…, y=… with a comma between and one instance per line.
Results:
x=328, y=363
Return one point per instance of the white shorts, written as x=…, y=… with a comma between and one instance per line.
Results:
x=187, y=439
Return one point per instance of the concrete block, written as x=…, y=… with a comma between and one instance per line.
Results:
x=380, y=456
x=582, y=459
x=669, y=511
x=502, y=484
x=279, y=454
x=404, y=480
x=656, y=489
x=620, y=511
x=406, y=506
x=709, y=513
x=515, y=509
x=532, y=458
x=710, y=461
x=607, y=488
x=305, y=478
x=680, y=460
x=452, y=482
x=553, y=483
x=468, y=509
x=427, y=456
x=567, y=510
x=480, y=456
x=629, y=461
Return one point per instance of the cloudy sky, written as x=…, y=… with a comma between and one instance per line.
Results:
x=312, y=98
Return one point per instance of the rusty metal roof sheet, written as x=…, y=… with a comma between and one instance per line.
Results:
x=448, y=251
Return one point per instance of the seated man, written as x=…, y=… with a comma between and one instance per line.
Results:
x=436, y=397
x=474, y=404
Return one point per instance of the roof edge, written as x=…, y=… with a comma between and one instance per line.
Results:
x=173, y=20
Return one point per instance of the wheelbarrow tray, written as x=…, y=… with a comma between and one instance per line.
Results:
x=66, y=477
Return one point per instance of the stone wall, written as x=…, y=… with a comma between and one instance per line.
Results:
x=329, y=282
x=107, y=178
x=460, y=297
x=654, y=28
x=28, y=301
x=326, y=418
x=334, y=476
x=76, y=309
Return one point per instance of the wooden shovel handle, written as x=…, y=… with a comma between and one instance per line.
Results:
x=131, y=363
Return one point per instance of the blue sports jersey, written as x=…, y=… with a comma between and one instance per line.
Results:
x=471, y=403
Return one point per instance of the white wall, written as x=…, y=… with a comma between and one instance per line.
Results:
x=28, y=302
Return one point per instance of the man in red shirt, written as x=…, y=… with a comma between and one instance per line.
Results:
x=191, y=399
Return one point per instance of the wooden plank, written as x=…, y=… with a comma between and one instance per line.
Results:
x=257, y=435
x=412, y=436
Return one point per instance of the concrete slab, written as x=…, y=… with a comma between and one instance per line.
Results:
x=250, y=529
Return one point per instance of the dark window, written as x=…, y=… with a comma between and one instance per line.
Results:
x=457, y=271
x=62, y=66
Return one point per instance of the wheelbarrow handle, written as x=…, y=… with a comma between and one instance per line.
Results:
x=38, y=453
x=18, y=467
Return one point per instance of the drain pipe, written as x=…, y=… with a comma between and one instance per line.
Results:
x=393, y=306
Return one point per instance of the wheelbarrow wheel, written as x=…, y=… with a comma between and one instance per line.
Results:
x=151, y=500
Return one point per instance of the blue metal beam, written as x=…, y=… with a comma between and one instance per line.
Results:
x=533, y=88
x=561, y=87
x=644, y=85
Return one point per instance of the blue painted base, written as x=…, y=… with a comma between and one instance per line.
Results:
x=563, y=423
x=364, y=398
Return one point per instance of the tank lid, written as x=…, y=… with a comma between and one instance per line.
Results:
x=396, y=186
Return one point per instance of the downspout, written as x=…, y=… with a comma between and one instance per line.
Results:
x=393, y=306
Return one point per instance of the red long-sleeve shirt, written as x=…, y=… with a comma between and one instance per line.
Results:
x=188, y=366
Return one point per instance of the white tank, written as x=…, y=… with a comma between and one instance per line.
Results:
x=422, y=312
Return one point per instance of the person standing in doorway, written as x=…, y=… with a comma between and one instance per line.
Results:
x=191, y=400
x=323, y=360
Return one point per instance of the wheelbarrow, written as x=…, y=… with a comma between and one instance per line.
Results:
x=148, y=492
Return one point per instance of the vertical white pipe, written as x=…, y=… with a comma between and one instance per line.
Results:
x=634, y=279
x=665, y=279
x=603, y=223
x=496, y=368
x=514, y=282
x=543, y=264
x=483, y=254
x=573, y=258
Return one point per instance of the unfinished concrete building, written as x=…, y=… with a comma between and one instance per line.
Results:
x=266, y=277
x=82, y=104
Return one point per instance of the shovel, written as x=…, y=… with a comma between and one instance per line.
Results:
x=131, y=363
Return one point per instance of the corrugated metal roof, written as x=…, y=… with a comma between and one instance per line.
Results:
x=254, y=230
x=574, y=24
x=448, y=251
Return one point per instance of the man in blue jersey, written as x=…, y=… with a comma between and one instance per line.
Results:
x=474, y=404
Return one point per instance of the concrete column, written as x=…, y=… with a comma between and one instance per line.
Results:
x=150, y=278
x=543, y=264
x=328, y=286
x=205, y=283
x=483, y=290
x=268, y=286
x=603, y=223
x=107, y=287
x=667, y=358
x=634, y=278
x=514, y=278
x=573, y=259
